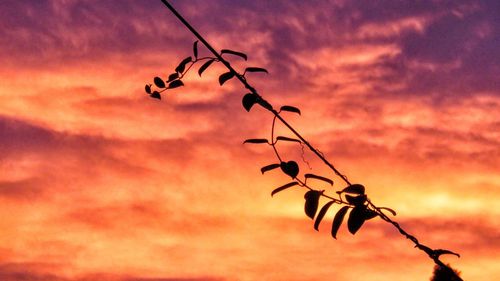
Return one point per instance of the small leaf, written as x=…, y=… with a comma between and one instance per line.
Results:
x=248, y=101
x=290, y=168
x=312, y=200
x=256, y=141
x=205, y=66
x=182, y=66
x=148, y=89
x=231, y=52
x=269, y=167
x=159, y=82
x=195, y=49
x=225, y=76
x=172, y=77
x=290, y=109
x=354, y=189
x=356, y=219
x=337, y=220
x=265, y=104
x=281, y=188
x=313, y=176
x=156, y=95
x=356, y=200
x=175, y=84
x=286, y=139
x=388, y=209
x=370, y=214
x=256, y=69
x=321, y=214
x=439, y=252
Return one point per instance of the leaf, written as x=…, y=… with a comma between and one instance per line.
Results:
x=312, y=200
x=159, y=82
x=337, y=220
x=439, y=252
x=313, y=176
x=172, y=77
x=356, y=219
x=388, y=209
x=256, y=69
x=265, y=104
x=256, y=141
x=290, y=168
x=175, y=84
x=205, y=66
x=370, y=214
x=269, y=167
x=231, y=52
x=286, y=139
x=195, y=49
x=248, y=101
x=182, y=66
x=281, y=188
x=225, y=76
x=148, y=89
x=290, y=109
x=356, y=200
x=321, y=214
x=354, y=189
x=156, y=95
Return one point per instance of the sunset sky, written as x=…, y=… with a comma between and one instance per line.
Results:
x=100, y=182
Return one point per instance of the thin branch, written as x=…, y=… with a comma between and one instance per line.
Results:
x=266, y=105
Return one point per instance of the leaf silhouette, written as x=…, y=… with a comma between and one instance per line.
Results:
x=356, y=200
x=356, y=219
x=256, y=69
x=311, y=205
x=172, y=77
x=283, y=187
x=290, y=109
x=354, y=189
x=248, y=101
x=439, y=252
x=286, y=139
x=256, y=141
x=159, y=82
x=175, y=84
x=321, y=214
x=337, y=220
x=370, y=214
x=290, y=168
x=147, y=88
x=225, y=76
x=156, y=95
x=205, y=66
x=265, y=104
x=388, y=209
x=313, y=176
x=195, y=49
x=231, y=52
x=182, y=66
x=269, y=167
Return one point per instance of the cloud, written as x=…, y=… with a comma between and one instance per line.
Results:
x=39, y=272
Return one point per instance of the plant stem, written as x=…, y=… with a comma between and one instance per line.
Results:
x=242, y=79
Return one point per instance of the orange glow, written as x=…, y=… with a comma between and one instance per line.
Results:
x=101, y=182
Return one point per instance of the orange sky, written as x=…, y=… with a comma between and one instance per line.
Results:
x=101, y=182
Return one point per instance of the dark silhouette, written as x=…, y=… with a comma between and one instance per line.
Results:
x=355, y=202
x=445, y=274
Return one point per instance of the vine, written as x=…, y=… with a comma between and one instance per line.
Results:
x=353, y=198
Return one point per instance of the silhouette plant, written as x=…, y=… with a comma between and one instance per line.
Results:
x=352, y=197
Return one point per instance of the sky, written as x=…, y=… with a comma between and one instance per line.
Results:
x=101, y=182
